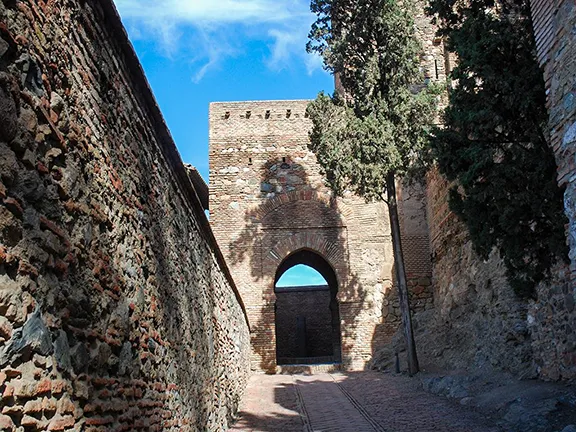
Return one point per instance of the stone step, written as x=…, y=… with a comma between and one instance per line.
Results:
x=308, y=369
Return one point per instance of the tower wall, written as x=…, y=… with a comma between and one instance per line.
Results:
x=268, y=200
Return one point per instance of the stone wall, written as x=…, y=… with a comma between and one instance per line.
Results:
x=554, y=22
x=117, y=311
x=477, y=322
x=553, y=318
x=268, y=200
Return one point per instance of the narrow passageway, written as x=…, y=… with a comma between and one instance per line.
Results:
x=355, y=402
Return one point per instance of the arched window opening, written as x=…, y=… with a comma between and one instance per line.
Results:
x=307, y=315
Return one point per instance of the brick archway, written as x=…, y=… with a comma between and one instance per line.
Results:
x=332, y=252
x=307, y=318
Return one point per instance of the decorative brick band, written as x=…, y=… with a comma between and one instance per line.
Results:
x=260, y=212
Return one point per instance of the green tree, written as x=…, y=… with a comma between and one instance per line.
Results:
x=374, y=132
x=494, y=141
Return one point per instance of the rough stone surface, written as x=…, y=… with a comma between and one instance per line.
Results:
x=520, y=405
x=118, y=312
x=32, y=337
x=477, y=322
x=554, y=24
x=8, y=112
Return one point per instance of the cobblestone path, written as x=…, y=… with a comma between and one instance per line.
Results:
x=354, y=402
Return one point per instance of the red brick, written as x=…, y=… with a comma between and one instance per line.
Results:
x=14, y=206
x=46, y=223
x=99, y=421
x=49, y=405
x=60, y=423
x=6, y=423
x=12, y=373
x=159, y=386
x=58, y=386
x=33, y=423
x=42, y=169
x=8, y=391
x=25, y=268
x=33, y=407
x=103, y=381
x=65, y=406
x=44, y=386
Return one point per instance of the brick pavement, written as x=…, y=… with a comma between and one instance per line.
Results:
x=270, y=404
x=355, y=402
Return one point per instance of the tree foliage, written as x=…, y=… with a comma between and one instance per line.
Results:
x=494, y=138
x=377, y=129
x=380, y=125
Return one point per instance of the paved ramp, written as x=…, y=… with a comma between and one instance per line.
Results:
x=350, y=402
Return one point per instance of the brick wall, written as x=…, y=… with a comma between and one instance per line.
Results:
x=268, y=200
x=116, y=308
x=311, y=304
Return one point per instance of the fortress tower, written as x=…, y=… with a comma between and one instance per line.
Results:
x=270, y=210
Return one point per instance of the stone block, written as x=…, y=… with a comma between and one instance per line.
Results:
x=6, y=423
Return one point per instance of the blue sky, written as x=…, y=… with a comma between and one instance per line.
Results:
x=199, y=51
x=300, y=275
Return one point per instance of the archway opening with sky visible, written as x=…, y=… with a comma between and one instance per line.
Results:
x=307, y=316
x=301, y=275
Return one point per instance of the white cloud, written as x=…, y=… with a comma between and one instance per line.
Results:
x=209, y=31
x=215, y=48
x=313, y=63
x=212, y=11
x=282, y=48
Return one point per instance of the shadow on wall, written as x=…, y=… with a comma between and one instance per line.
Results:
x=133, y=311
x=291, y=219
x=389, y=341
x=389, y=338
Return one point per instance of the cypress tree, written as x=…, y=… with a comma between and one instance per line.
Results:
x=376, y=131
x=493, y=144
